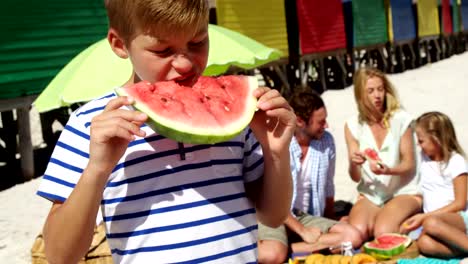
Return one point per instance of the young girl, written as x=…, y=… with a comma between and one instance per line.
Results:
x=444, y=185
x=388, y=187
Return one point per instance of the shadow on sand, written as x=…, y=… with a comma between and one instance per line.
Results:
x=10, y=168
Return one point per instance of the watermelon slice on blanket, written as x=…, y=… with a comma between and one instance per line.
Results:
x=215, y=109
x=387, y=245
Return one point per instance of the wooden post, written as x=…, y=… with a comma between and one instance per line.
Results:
x=22, y=104
x=25, y=143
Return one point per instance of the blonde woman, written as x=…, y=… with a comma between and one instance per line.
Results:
x=444, y=175
x=388, y=184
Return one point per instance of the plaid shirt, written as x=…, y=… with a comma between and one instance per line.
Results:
x=323, y=156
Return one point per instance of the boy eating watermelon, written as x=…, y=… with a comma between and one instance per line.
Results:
x=158, y=207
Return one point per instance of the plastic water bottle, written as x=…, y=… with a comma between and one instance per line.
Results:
x=347, y=248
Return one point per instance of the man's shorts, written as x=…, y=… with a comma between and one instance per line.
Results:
x=281, y=234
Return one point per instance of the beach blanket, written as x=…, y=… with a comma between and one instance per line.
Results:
x=428, y=261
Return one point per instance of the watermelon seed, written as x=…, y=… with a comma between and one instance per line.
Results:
x=164, y=99
x=207, y=98
x=227, y=108
x=223, y=87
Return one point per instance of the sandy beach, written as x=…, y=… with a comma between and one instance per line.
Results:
x=439, y=86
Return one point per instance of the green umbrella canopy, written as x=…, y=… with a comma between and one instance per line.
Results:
x=97, y=70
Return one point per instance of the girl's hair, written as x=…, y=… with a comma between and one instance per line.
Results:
x=128, y=17
x=367, y=112
x=305, y=102
x=441, y=130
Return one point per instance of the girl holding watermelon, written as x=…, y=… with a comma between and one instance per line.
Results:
x=443, y=175
x=381, y=157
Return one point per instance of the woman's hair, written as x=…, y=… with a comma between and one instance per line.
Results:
x=367, y=112
x=441, y=130
x=305, y=102
x=128, y=17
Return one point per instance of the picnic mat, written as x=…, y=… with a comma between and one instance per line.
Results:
x=428, y=261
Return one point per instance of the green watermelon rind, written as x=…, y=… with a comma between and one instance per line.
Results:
x=389, y=252
x=167, y=127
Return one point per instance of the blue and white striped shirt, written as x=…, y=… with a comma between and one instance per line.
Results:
x=159, y=208
x=322, y=165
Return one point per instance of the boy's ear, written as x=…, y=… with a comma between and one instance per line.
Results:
x=117, y=44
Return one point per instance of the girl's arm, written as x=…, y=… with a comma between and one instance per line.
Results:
x=354, y=156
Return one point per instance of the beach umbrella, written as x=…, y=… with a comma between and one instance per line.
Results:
x=97, y=70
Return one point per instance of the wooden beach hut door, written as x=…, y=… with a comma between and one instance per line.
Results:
x=402, y=24
x=322, y=44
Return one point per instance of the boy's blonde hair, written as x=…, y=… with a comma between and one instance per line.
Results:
x=367, y=112
x=130, y=17
x=441, y=130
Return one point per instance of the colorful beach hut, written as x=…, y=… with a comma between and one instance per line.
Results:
x=428, y=30
x=456, y=18
x=322, y=35
x=464, y=15
x=38, y=39
x=262, y=20
x=402, y=33
x=370, y=30
x=446, y=18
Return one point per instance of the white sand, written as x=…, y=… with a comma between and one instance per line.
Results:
x=440, y=86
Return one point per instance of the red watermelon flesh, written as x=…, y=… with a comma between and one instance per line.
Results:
x=213, y=110
x=371, y=154
x=387, y=245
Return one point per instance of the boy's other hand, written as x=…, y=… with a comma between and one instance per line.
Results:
x=310, y=234
x=274, y=123
x=111, y=131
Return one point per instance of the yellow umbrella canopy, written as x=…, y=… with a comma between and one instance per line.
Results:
x=97, y=70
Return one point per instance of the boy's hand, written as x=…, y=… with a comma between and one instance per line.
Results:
x=310, y=234
x=274, y=123
x=111, y=131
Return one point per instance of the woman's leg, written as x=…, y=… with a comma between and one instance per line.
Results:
x=395, y=212
x=362, y=217
x=444, y=236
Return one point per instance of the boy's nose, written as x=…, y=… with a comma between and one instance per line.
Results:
x=182, y=63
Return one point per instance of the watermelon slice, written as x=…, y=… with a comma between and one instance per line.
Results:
x=387, y=245
x=215, y=109
x=371, y=154
x=374, y=156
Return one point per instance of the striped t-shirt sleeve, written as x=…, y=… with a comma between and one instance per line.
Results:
x=69, y=158
x=253, y=158
x=71, y=153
